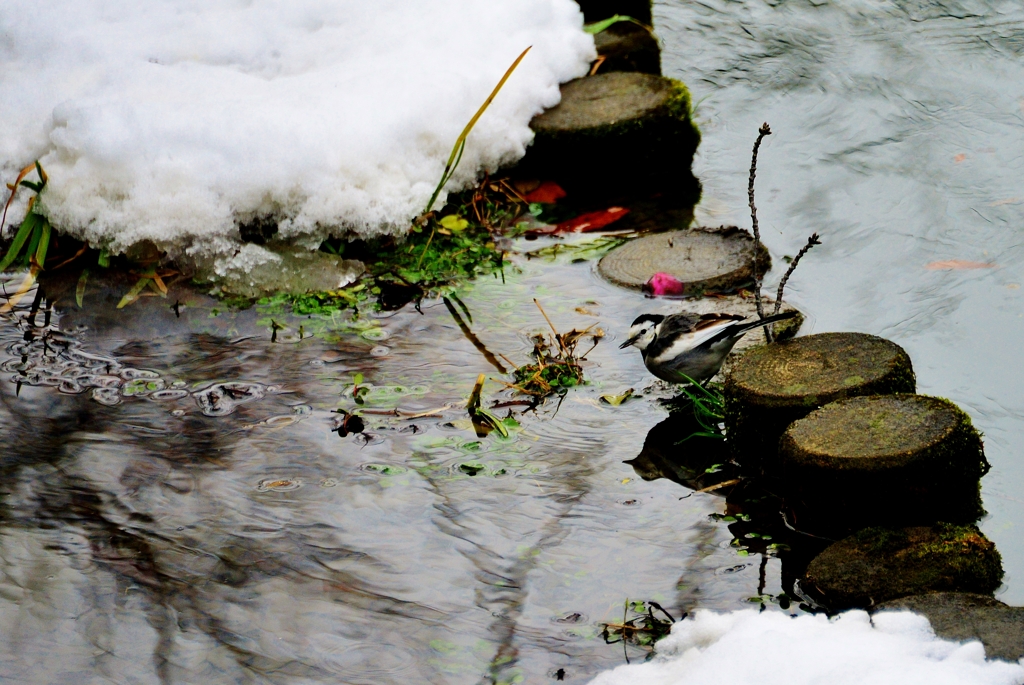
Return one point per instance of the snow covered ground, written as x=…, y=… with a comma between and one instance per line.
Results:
x=170, y=120
x=772, y=648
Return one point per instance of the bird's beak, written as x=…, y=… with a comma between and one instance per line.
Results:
x=629, y=342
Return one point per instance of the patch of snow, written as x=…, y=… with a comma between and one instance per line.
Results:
x=772, y=648
x=172, y=120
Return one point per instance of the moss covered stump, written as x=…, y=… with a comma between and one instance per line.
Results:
x=702, y=259
x=963, y=616
x=616, y=131
x=626, y=46
x=882, y=459
x=769, y=387
x=881, y=564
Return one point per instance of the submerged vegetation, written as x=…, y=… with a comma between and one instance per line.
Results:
x=555, y=367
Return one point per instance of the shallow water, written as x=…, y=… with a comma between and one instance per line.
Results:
x=899, y=137
x=205, y=524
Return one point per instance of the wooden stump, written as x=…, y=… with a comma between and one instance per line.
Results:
x=625, y=46
x=769, y=387
x=704, y=259
x=882, y=459
x=962, y=617
x=880, y=564
x=615, y=132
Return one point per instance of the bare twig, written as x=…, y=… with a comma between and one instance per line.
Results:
x=811, y=242
x=558, y=338
x=765, y=130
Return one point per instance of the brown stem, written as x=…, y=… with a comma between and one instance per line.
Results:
x=811, y=242
x=765, y=130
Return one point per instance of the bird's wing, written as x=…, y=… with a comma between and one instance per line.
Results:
x=677, y=324
x=671, y=345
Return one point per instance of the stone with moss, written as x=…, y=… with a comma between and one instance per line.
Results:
x=703, y=260
x=892, y=459
x=618, y=131
x=769, y=387
x=963, y=616
x=876, y=565
x=627, y=46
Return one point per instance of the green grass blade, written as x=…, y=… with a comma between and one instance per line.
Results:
x=24, y=231
x=80, y=288
x=33, y=243
x=104, y=258
x=460, y=143
x=44, y=244
x=599, y=26
x=134, y=293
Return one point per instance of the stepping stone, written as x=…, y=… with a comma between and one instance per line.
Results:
x=627, y=46
x=881, y=564
x=596, y=10
x=615, y=132
x=882, y=459
x=771, y=386
x=703, y=259
x=963, y=616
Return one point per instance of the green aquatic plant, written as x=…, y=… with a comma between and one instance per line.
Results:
x=555, y=367
x=643, y=629
x=708, y=405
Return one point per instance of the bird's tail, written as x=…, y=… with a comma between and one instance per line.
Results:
x=737, y=329
x=745, y=326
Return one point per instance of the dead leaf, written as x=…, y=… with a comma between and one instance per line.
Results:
x=958, y=265
x=592, y=221
x=616, y=400
x=959, y=158
x=546, y=193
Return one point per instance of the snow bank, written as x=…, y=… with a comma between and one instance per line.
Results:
x=772, y=648
x=170, y=120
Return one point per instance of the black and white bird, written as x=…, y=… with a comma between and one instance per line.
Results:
x=684, y=347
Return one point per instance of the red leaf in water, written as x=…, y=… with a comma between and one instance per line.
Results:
x=546, y=193
x=592, y=220
x=957, y=264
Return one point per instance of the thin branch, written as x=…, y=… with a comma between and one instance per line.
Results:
x=811, y=242
x=765, y=130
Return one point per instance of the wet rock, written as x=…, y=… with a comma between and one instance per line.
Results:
x=618, y=131
x=596, y=10
x=626, y=46
x=881, y=564
x=892, y=459
x=702, y=259
x=257, y=271
x=771, y=386
x=964, y=616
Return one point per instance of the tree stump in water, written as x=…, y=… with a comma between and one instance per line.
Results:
x=962, y=616
x=625, y=46
x=769, y=387
x=616, y=132
x=880, y=564
x=882, y=460
x=702, y=259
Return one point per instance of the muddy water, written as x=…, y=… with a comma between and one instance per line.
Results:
x=176, y=506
